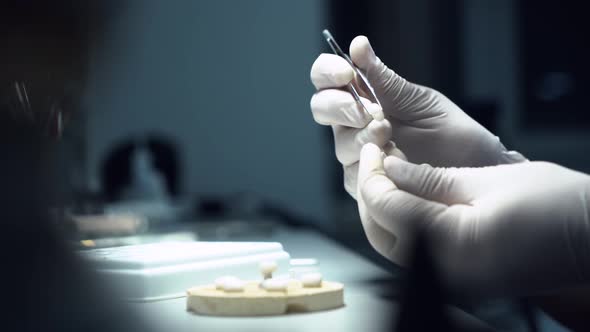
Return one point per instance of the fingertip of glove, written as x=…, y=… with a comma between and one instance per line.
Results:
x=330, y=71
x=370, y=149
x=371, y=162
x=394, y=166
x=361, y=51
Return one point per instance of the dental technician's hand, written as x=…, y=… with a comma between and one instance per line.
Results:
x=503, y=230
x=423, y=123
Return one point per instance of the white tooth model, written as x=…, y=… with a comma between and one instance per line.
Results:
x=313, y=279
x=222, y=281
x=231, y=296
x=267, y=268
x=232, y=284
x=275, y=284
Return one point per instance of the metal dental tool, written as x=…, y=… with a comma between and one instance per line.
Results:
x=361, y=81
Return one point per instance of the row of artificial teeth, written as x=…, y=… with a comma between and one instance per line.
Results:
x=235, y=284
x=229, y=284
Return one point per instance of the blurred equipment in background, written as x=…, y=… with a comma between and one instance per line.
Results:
x=144, y=168
x=555, y=64
x=44, y=49
x=99, y=225
x=142, y=176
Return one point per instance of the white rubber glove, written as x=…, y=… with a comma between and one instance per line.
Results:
x=423, y=123
x=501, y=230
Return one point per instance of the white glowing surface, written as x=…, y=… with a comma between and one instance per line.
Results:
x=167, y=253
x=164, y=270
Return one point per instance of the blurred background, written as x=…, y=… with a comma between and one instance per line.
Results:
x=219, y=93
x=197, y=112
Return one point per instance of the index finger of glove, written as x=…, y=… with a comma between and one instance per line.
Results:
x=330, y=71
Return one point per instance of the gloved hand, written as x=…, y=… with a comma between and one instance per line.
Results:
x=422, y=122
x=499, y=230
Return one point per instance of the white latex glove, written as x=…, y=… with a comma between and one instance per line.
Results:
x=498, y=230
x=423, y=123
